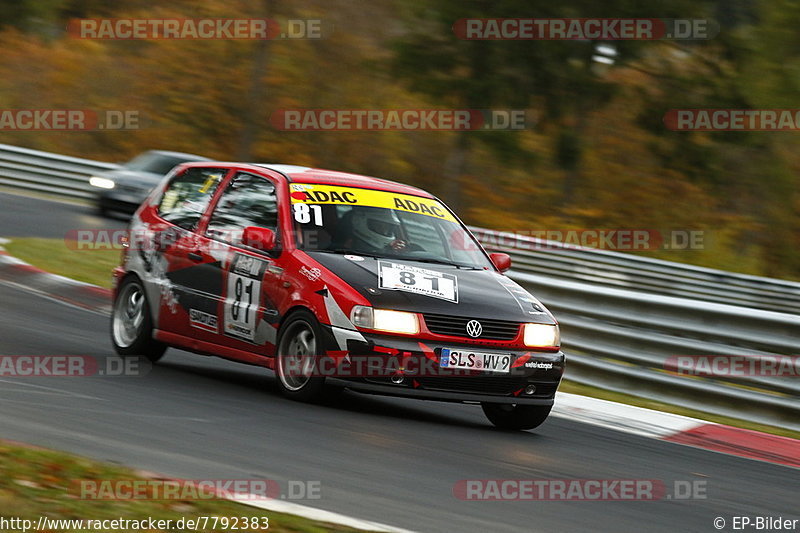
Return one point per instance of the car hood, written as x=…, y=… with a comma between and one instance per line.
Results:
x=481, y=293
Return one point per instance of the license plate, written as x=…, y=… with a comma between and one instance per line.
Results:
x=469, y=360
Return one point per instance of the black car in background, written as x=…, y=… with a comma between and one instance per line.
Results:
x=125, y=188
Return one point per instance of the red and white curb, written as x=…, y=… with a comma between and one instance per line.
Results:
x=678, y=429
x=319, y=515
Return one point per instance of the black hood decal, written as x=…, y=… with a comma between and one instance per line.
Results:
x=480, y=293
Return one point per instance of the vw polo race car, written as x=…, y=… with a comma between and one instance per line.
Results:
x=333, y=279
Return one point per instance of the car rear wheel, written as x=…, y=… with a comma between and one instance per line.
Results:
x=299, y=342
x=515, y=416
x=131, y=323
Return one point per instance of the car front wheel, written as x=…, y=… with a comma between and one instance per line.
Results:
x=515, y=416
x=299, y=345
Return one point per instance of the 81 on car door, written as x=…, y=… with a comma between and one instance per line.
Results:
x=243, y=296
x=250, y=275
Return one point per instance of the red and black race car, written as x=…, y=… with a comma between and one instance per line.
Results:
x=335, y=279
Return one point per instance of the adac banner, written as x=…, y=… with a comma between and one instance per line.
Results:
x=312, y=193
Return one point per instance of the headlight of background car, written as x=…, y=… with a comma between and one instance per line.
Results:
x=103, y=183
x=542, y=335
x=385, y=320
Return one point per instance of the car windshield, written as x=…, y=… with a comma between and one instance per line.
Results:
x=156, y=163
x=347, y=220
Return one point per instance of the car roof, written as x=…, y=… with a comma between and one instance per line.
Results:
x=301, y=174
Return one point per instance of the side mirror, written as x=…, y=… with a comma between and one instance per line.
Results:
x=259, y=238
x=501, y=261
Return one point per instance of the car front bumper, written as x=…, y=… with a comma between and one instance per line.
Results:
x=532, y=379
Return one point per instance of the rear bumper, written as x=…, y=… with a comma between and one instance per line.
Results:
x=532, y=379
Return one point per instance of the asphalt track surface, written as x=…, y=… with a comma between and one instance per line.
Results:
x=387, y=460
x=21, y=216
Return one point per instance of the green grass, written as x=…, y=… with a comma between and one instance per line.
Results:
x=53, y=255
x=36, y=482
x=95, y=267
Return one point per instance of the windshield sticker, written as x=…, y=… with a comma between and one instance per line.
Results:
x=303, y=213
x=399, y=277
x=312, y=193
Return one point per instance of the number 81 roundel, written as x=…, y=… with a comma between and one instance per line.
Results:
x=400, y=277
x=243, y=296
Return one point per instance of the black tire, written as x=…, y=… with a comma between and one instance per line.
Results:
x=298, y=349
x=132, y=323
x=514, y=416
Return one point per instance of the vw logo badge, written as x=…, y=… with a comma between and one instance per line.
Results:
x=474, y=328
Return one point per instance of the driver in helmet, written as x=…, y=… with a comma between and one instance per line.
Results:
x=376, y=229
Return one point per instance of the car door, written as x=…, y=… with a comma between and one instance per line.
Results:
x=249, y=280
x=172, y=258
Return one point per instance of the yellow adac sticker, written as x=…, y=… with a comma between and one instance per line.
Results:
x=312, y=193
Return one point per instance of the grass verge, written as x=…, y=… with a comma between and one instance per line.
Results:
x=53, y=255
x=94, y=266
x=36, y=482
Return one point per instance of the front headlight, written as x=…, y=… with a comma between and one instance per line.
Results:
x=542, y=336
x=102, y=183
x=385, y=320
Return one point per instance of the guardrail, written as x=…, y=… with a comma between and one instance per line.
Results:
x=623, y=341
x=654, y=276
x=34, y=170
x=622, y=316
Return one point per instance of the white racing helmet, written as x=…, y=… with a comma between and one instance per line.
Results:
x=376, y=226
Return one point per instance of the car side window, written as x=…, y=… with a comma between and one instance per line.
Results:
x=188, y=195
x=249, y=200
